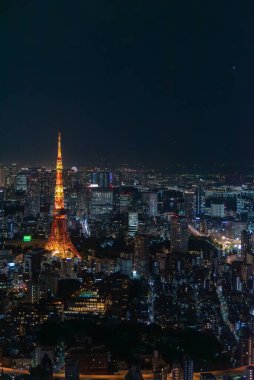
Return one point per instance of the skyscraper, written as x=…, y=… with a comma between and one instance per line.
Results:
x=199, y=201
x=33, y=193
x=141, y=256
x=250, y=372
x=246, y=348
x=3, y=231
x=179, y=234
x=189, y=203
x=132, y=224
x=2, y=176
x=21, y=182
x=177, y=372
x=59, y=242
x=187, y=368
x=218, y=210
x=151, y=200
x=102, y=179
x=101, y=203
x=246, y=243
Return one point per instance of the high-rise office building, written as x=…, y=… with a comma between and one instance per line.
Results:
x=78, y=201
x=122, y=200
x=101, y=203
x=132, y=224
x=21, y=182
x=177, y=372
x=33, y=193
x=33, y=292
x=118, y=287
x=48, y=285
x=246, y=348
x=189, y=205
x=250, y=372
x=125, y=263
x=47, y=188
x=218, y=210
x=179, y=234
x=187, y=368
x=151, y=200
x=3, y=229
x=246, y=243
x=2, y=176
x=199, y=201
x=141, y=256
x=11, y=178
x=32, y=264
x=102, y=179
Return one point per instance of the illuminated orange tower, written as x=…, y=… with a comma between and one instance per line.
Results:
x=59, y=242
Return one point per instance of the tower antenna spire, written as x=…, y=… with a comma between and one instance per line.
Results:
x=59, y=145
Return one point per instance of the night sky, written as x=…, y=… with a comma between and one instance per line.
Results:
x=139, y=82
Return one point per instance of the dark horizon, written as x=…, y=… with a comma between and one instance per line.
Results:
x=238, y=171
x=138, y=83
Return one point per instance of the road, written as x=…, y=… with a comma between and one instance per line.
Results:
x=82, y=376
x=150, y=301
x=224, y=311
x=146, y=375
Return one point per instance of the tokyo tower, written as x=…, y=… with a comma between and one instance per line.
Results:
x=59, y=242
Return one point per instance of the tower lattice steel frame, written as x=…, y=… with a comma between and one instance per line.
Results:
x=59, y=242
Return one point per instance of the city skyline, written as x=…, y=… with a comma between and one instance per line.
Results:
x=127, y=221
x=137, y=83
x=108, y=268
